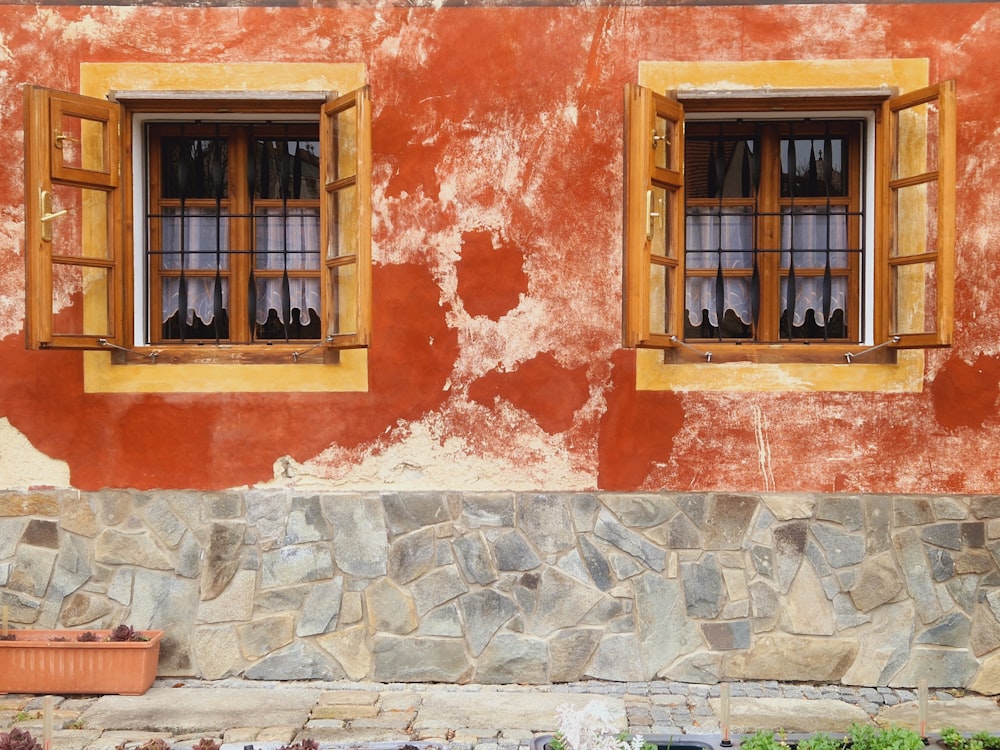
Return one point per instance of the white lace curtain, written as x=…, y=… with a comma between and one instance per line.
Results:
x=809, y=231
x=299, y=233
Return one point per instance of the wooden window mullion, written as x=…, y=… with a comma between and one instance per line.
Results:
x=769, y=234
x=241, y=236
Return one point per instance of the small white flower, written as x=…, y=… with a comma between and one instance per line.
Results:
x=594, y=727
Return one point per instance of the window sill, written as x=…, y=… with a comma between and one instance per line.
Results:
x=905, y=375
x=799, y=353
x=283, y=375
x=228, y=354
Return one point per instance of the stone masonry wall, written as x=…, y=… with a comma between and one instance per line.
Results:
x=521, y=587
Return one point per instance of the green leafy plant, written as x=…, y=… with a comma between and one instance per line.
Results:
x=951, y=738
x=822, y=741
x=764, y=740
x=865, y=737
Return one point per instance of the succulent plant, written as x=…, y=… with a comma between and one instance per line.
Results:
x=126, y=633
x=18, y=739
x=206, y=743
x=156, y=743
x=87, y=637
x=122, y=633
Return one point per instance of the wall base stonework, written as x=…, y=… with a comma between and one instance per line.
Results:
x=521, y=587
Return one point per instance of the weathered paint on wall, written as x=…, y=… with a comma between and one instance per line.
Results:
x=496, y=360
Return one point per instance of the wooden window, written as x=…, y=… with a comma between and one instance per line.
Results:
x=253, y=243
x=748, y=234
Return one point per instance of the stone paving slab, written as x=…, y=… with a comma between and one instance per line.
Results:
x=209, y=709
x=465, y=717
x=970, y=714
x=531, y=710
x=748, y=715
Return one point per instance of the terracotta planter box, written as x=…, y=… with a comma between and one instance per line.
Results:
x=34, y=663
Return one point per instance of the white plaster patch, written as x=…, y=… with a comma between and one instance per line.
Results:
x=428, y=455
x=760, y=427
x=489, y=170
x=22, y=466
x=5, y=53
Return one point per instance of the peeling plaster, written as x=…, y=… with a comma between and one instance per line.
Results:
x=424, y=456
x=508, y=122
x=22, y=466
x=760, y=425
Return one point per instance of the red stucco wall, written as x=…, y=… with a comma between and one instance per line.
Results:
x=497, y=359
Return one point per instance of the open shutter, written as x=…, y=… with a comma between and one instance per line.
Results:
x=653, y=297
x=916, y=201
x=73, y=222
x=345, y=219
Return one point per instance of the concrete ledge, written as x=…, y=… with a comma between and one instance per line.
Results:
x=969, y=714
x=212, y=709
x=748, y=715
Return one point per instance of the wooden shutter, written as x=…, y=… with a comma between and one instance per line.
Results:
x=73, y=221
x=653, y=295
x=916, y=225
x=345, y=219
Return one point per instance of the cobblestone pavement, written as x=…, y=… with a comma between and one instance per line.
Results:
x=459, y=717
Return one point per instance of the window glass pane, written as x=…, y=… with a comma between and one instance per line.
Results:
x=81, y=143
x=764, y=197
x=914, y=302
x=287, y=239
x=345, y=144
x=719, y=235
x=916, y=232
x=199, y=320
x=85, y=218
x=343, y=227
x=303, y=304
x=813, y=231
x=286, y=168
x=194, y=167
x=71, y=285
x=701, y=307
x=343, y=293
x=809, y=319
x=717, y=166
x=199, y=291
x=661, y=208
x=820, y=167
x=199, y=240
x=235, y=206
x=660, y=302
x=664, y=151
x=917, y=138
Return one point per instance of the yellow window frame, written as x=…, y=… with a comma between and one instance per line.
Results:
x=351, y=372
x=905, y=374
